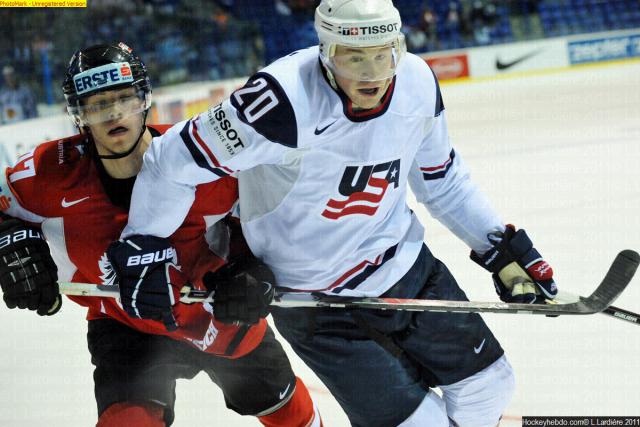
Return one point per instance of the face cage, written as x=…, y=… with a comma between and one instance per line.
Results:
x=365, y=68
x=88, y=115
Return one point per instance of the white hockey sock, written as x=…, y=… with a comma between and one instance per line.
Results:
x=479, y=400
x=431, y=412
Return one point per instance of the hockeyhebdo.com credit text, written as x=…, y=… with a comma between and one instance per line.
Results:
x=580, y=421
x=43, y=3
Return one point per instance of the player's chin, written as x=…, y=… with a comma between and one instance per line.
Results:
x=119, y=143
x=367, y=102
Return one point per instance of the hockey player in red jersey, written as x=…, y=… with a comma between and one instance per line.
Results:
x=69, y=200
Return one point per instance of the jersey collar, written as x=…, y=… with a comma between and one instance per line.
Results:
x=347, y=104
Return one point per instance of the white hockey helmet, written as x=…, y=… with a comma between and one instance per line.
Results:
x=370, y=25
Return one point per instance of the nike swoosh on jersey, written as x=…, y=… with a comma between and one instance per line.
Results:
x=500, y=65
x=478, y=349
x=319, y=131
x=284, y=393
x=66, y=204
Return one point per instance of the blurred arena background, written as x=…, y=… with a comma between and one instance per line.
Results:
x=204, y=40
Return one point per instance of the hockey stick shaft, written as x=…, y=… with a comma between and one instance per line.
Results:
x=309, y=300
x=622, y=314
x=616, y=279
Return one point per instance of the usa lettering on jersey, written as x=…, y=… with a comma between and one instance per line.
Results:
x=362, y=188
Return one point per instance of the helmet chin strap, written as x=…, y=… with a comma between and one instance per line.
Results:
x=133, y=147
x=332, y=79
x=330, y=76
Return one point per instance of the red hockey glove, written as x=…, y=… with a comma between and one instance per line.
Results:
x=519, y=273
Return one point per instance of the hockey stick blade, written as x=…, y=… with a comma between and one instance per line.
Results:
x=617, y=278
x=611, y=311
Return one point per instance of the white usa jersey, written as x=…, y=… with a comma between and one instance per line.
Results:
x=323, y=187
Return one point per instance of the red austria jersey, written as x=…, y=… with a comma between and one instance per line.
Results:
x=57, y=187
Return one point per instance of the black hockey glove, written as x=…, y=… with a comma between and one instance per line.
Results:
x=148, y=276
x=243, y=290
x=28, y=275
x=519, y=273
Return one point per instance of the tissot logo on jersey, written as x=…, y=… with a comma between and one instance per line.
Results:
x=370, y=30
x=362, y=188
x=101, y=77
x=229, y=138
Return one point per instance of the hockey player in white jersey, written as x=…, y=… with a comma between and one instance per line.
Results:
x=325, y=142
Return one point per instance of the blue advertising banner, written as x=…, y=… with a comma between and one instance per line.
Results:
x=604, y=49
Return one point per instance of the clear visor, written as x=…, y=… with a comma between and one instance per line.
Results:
x=111, y=106
x=367, y=64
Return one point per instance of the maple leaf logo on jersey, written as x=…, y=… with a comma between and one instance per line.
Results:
x=108, y=276
x=362, y=188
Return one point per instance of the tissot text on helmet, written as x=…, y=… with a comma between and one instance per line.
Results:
x=373, y=29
